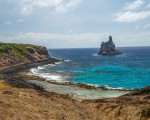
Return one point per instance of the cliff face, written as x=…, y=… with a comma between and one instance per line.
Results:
x=108, y=48
x=15, y=54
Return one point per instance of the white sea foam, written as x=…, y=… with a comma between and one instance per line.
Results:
x=40, y=67
x=58, y=77
x=116, y=88
x=47, y=65
x=121, y=55
x=57, y=63
x=33, y=70
x=95, y=54
x=67, y=60
x=112, y=88
x=50, y=77
x=51, y=65
x=107, y=87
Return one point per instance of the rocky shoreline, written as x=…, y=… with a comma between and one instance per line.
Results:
x=136, y=103
x=10, y=77
x=17, y=76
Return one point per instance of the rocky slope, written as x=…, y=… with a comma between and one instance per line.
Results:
x=15, y=54
x=28, y=104
x=108, y=48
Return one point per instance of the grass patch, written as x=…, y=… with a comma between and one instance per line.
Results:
x=3, y=85
x=7, y=49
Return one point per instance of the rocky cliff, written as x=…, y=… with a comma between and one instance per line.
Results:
x=15, y=54
x=108, y=48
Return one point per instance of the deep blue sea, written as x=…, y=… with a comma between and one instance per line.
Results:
x=130, y=70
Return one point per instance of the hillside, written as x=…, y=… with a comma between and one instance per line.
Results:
x=15, y=54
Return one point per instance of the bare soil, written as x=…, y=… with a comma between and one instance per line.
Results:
x=29, y=104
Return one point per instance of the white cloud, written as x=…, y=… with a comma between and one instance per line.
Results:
x=27, y=9
x=148, y=5
x=73, y=3
x=143, y=27
x=64, y=7
x=20, y=20
x=84, y=40
x=134, y=5
x=27, y=6
x=8, y=22
x=137, y=27
x=146, y=26
x=52, y=40
x=137, y=39
x=70, y=31
x=129, y=16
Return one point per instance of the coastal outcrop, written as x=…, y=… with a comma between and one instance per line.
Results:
x=108, y=48
x=15, y=54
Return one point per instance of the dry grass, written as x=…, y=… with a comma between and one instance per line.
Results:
x=3, y=85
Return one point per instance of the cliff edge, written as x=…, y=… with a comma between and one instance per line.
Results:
x=16, y=54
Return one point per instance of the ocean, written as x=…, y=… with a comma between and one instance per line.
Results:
x=130, y=70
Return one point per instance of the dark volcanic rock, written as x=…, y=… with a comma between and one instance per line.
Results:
x=142, y=91
x=42, y=51
x=108, y=48
x=31, y=50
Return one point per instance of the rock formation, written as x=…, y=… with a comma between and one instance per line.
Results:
x=108, y=48
x=14, y=54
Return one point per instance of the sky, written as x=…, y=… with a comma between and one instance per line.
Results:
x=75, y=23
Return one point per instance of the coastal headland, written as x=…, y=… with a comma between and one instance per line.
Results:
x=20, y=99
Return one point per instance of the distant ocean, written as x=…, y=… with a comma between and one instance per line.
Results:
x=130, y=70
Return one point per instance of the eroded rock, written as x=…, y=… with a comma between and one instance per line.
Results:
x=108, y=48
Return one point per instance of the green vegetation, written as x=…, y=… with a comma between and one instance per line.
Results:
x=7, y=49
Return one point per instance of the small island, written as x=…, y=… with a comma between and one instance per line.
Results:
x=108, y=48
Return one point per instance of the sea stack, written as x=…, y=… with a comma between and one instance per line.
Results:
x=108, y=48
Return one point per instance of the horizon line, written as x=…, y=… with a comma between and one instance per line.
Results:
x=98, y=47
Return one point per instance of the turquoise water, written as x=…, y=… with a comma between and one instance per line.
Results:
x=128, y=71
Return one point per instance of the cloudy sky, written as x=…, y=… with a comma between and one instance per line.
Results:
x=75, y=23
